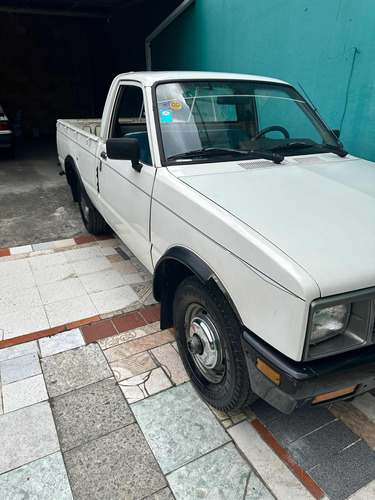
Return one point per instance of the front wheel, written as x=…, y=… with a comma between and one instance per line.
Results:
x=209, y=340
x=93, y=221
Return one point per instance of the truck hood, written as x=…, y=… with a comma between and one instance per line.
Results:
x=319, y=210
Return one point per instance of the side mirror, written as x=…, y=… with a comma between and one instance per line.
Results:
x=124, y=149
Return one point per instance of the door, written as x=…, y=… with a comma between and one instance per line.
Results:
x=124, y=193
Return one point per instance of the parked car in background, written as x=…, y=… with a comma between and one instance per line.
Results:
x=256, y=223
x=6, y=135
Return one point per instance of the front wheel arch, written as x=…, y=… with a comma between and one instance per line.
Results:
x=177, y=264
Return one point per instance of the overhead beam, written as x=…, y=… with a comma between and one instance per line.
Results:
x=44, y=12
x=167, y=21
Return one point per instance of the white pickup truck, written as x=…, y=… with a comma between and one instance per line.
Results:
x=259, y=229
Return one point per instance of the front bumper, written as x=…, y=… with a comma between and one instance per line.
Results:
x=301, y=382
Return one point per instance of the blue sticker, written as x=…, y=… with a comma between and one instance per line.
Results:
x=164, y=105
x=166, y=116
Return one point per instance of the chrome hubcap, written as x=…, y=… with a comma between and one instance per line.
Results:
x=204, y=345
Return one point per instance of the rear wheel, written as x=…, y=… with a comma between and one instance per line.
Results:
x=209, y=340
x=93, y=221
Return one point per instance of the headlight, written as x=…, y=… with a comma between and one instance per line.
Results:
x=329, y=322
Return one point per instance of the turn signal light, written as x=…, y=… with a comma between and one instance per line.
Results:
x=334, y=394
x=269, y=372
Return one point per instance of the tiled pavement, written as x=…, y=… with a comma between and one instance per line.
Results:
x=50, y=287
x=106, y=411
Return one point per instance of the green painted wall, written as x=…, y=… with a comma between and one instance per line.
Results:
x=311, y=42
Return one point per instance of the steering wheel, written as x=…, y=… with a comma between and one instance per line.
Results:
x=273, y=128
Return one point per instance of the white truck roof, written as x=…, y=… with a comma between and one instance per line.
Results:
x=148, y=78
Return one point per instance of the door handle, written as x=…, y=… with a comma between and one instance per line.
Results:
x=103, y=154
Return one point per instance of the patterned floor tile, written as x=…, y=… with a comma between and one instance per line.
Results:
x=176, y=441
x=23, y=438
x=142, y=289
x=204, y=478
x=43, y=479
x=61, y=342
x=23, y=393
x=157, y=382
x=149, y=342
x=15, y=369
x=73, y=369
x=133, y=388
x=171, y=362
x=90, y=412
x=121, y=338
x=145, y=385
x=133, y=365
x=118, y=465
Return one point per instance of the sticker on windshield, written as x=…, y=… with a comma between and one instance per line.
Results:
x=164, y=105
x=176, y=105
x=166, y=116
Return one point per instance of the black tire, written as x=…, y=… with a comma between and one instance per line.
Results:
x=93, y=221
x=219, y=375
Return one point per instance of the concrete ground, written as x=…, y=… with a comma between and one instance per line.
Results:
x=36, y=203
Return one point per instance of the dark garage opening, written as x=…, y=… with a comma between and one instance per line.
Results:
x=58, y=57
x=57, y=60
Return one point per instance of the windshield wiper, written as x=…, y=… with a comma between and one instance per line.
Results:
x=206, y=152
x=304, y=145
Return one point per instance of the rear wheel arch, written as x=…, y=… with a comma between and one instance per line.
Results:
x=72, y=176
x=176, y=265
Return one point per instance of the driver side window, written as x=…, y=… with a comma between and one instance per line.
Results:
x=129, y=120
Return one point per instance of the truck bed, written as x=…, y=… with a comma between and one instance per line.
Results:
x=90, y=125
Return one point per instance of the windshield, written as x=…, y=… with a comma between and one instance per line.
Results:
x=237, y=115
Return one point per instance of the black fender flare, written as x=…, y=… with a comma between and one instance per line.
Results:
x=70, y=163
x=175, y=265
